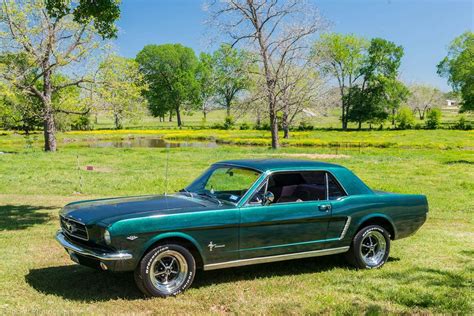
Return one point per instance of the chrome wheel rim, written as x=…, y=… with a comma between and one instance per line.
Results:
x=168, y=271
x=372, y=248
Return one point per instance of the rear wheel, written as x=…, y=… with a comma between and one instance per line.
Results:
x=370, y=248
x=166, y=270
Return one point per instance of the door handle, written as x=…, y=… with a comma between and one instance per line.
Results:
x=325, y=207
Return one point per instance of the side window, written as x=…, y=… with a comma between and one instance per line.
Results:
x=334, y=189
x=298, y=186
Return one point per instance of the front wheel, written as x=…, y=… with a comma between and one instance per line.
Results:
x=370, y=248
x=166, y=270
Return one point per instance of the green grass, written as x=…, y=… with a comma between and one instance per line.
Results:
x=430, y=272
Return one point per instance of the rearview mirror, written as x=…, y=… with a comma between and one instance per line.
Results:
x=268, y=198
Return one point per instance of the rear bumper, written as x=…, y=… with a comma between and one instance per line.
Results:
x=115, y=261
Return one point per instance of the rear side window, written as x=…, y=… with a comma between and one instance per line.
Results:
x=334, y=189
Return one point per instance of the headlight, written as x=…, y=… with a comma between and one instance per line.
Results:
x=107, y=238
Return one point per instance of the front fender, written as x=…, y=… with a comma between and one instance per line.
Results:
x=162, y=236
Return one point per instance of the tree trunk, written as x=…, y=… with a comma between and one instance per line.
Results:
x=171, y=116
x=117, y=121
x=285, y=124
x=360, y=125
x=274, y=129
x=178, y=117
x=49, y=129
x=228, y=109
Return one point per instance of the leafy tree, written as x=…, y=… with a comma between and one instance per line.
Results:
x=231, y=74
x=37, y=48
x=405, y=118
x=422, y=98
x=170, y=73
x=458, y=67
x=380, y=92
x=120, y=89
x=206, y=77
x=342, y=56
x=433, y=120
x=103, y=13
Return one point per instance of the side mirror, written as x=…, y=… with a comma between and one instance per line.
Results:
x=268, y=198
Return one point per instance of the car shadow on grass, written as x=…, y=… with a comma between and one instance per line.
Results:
x=16, y=217
x=75, y=282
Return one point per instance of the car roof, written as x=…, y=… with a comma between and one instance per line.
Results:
x=278, y=164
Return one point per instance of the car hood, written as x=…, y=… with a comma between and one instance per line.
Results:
x=92, y=211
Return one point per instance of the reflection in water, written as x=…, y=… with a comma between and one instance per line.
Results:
x=147, y=142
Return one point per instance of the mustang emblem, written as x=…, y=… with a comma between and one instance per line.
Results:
x=70, y=227
x=213, y=245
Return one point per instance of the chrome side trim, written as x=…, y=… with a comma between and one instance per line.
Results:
x=298, y=255
x=107, y=256
x=346, y=227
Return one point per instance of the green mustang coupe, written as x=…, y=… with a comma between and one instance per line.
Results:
x=240, y=212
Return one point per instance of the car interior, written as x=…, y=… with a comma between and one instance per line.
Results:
x=300, y=187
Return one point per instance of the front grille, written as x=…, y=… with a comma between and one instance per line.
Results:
x=74, y=228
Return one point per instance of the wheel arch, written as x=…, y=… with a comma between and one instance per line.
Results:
x=181, y=239
x=378, y=219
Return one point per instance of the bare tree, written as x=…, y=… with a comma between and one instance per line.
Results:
x=47, y=46
x=276, y=29
x=422, y=98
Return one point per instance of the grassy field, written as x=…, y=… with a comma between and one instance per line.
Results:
x=431, y=272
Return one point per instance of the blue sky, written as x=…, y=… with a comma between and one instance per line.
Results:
x=423, y=27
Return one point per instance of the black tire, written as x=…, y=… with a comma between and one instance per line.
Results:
x=364, y=254
x=179, y=259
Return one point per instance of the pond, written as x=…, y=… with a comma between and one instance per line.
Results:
x=150, y=142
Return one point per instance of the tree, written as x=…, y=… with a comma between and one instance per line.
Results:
x=103, y=13
x=206, y=77
x=422, y=98
x=458, y=67
x=405, y=118
x=120, y=89
x=170, y=73
x=231, y=74
x=379, y=91
x=433, y=119
x=276, y=30
x=43, y=46
x=341, y=56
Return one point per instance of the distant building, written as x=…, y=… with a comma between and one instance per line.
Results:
x=452, y=103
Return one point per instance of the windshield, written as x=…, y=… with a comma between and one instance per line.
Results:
x=223, y=183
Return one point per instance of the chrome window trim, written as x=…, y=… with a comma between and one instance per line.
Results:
x=269, y=173
x=267, y=259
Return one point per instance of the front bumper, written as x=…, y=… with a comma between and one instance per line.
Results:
x=88, y=256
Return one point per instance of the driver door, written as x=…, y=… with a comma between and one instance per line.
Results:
x=296, y=221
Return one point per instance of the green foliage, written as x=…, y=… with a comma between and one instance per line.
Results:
x=244, y=126
x=229, y=122
x=433, y=120
x=463, y=124
x=305, y=126
x=342, y=56
x=458, y=67
x=231, y=74
x=380, y=92
x=170, y=73
x=103, y=13
x=120, y=89
x=405, y=118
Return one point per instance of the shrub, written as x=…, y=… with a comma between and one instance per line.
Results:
x=433, y=119
x=305, y=126
x=263, y=127
x=229, y=122
x=405, y=118
x=463, y=124
x=244, y=126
